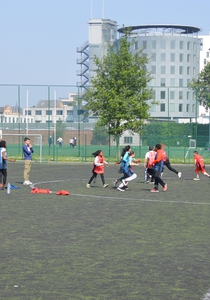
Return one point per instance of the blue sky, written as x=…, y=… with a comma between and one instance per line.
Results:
x=38, y=39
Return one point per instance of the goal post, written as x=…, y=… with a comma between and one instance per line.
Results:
x=18, y=139
x=192, y=145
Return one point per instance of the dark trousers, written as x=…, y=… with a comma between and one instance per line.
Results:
x=151, y=172
x=168, y=165
x=94, y=176
x=158, y=180
x=3, y=176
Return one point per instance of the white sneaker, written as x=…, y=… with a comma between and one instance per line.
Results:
x=88, y=185
x=179, y=174
x=29, y=182
x=120, y=189
x=26, y=182
x=196, y=178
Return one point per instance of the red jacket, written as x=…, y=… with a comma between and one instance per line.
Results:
x=99, y=169
x=159, y=157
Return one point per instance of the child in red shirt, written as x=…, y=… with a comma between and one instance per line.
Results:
x=98, y=168
x=199, y=165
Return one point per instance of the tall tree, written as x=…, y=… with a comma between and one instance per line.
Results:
x=118, y=94
x=201, y=86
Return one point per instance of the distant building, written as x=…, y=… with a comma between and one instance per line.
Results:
x=8, y=116
x=177, y=54
x=204, y=50
x=51, y=111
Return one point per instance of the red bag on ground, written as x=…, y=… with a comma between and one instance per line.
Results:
x=36, y=190
x=63, y=193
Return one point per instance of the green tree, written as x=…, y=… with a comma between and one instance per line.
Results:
x=100, y=135
x=60, y=128
x=119, y=92
x=201, y=86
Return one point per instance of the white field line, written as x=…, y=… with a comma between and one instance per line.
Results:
x=120, y=198
x=139, y=199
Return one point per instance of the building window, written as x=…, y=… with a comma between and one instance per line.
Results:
x=153, y=82
x=172, y=57
x=172, y=81
x=69, y=112
x=153, y=44
x=188, y=45
x=188, y=95
x=173, y=44
x=163, y=70
x=204, y=61
x=188, y=58
x=28, y=112
x=136, y=45
x=188, y=70
x=180, y=95
x=181, y=82
x=207, y=54
x=201, y=44
x=153, y=56
x=162, y=82
x=194, y=46
x=194, y=59
x=172, y=95
x=153, y=95
x=193, y=108
x=162, y=107
x=172, y=70
x=80, y=112
x=145, y=44
x=181, y=57
x=163, y=57
x=38, y=112
x=181, y=45
x=153, y=69
x=163, y=44
x=48, y=112
x=194, y=72
x=172, y=107
x=128, y=140
x=188, y=108
x=48, y=121
x=180, y=107
x=59, y=112
x=180, y=70
x=162, y=95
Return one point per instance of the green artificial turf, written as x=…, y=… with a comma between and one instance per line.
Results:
x=102, y=243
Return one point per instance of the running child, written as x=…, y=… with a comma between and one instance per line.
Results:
x=199, y=165
x=126, y=167
x=98, y=168
x=122, y=162
x=158, y=168
x=167, y=162
x=149, y=168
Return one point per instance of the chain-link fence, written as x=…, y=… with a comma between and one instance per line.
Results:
x=51, y=111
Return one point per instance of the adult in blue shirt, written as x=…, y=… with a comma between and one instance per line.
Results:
x=27, y=152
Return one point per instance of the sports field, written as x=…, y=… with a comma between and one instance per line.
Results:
x=102, y=243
